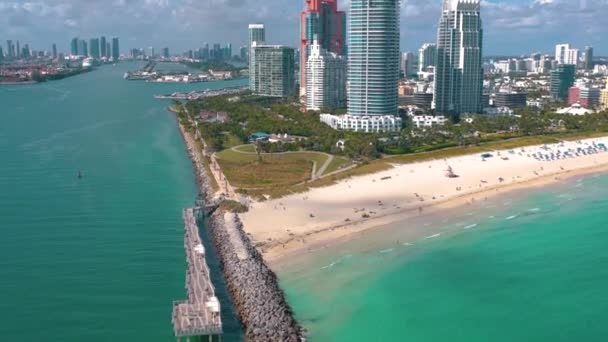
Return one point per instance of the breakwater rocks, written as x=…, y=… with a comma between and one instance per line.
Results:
x=260, y=303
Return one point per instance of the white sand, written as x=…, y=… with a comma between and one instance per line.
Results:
x=300, y=221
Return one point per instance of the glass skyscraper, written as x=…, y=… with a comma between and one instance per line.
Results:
x=459, y=69
x=257, y=34
x=373, y=57
x=115, y=49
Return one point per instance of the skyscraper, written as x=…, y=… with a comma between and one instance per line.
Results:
x=102, y=45
x=325, y=79
x=83, y=49
x=74, y=46
x=562, y=78
x=588, y=58
x=274, y=70
x=408, y=64
x=321, y=19
x=373, y=57
x=565, y=54
x=257, y=34
x=115, y=50
x=18, y=54
x=166, y=53
x=1, y=54
x=94, y=48
x=459, y=69
x=9, y=48
x=54, y=48
x=427, y=56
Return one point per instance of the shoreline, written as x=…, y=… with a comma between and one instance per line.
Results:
x=325, y=239
x=311, y=221
x=253, y=287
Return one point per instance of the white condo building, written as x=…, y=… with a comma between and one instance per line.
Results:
x=325, y=79
x=363, y=123
x=257, y=35
x=427, y=56
x=565, y=54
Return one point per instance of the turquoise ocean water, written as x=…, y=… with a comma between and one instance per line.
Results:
x=526, y=267
x=102, y=258
x=97, y=259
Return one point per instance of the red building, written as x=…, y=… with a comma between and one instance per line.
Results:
x=573, y=95
x=321, y=19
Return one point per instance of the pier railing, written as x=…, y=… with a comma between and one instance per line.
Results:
x=200, y=314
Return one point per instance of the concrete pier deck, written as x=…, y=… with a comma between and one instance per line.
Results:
x=200, y=314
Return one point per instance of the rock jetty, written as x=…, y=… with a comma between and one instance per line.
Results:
x=254, y=287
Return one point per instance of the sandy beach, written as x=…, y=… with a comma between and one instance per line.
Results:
x=304, y=222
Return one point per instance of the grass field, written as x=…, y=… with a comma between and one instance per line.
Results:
x=245, y=171
x=336, y=164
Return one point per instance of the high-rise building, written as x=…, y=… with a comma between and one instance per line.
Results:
x=18, y=54
x=408, y=64
x=562, y=78
x=103, y=46
x=325, y=79
x=54, y=48
x=1, y=54
x=565, y=54
x=115, y=49
x=257, y=34
x=273, y=74
x=321, y=19
x=459, y=69
x=108, y=50
x=373, y=57
x=427, y=56
x=166, y=53
x=83, y=49
x=588, y=58
x=9, y=49
x=243, y=53
x=94, y=48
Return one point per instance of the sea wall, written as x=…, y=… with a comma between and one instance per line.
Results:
x=254, y=287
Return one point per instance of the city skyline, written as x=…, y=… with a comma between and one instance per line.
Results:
x=161, y=23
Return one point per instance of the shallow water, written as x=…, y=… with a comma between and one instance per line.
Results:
x=527, y=267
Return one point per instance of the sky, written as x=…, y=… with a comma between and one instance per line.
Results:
x=511, y=27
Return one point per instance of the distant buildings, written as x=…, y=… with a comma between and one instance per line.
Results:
x=94, y=47
x=588, y=59
x=322, y=21
x=373, y=59
x=510, y=100
x=325, y=79
x=74, y=46
x=273, y=70
x=408, y=64
x=115, y=49
x=562, y=78
x=604, y=98
x=587, y=97
x=103, y=47
x=459, y=70
x=83, y=49
x=427, y=56
x=565, y=54
x=363, y=123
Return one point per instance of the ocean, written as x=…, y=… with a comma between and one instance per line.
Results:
x=528, y=266
x=100, y=258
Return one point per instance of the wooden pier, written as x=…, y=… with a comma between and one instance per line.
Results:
x=199, y=315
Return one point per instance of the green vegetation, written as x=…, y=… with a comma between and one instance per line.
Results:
x=266, y=168
x=233, y=207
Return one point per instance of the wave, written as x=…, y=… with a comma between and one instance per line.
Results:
x=387, y=250
x=406, y=244
x=471, y=226
x=338, y=261
x=511, y=217
x=433, y=236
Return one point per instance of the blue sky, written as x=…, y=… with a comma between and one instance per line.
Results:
x=511, y=26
